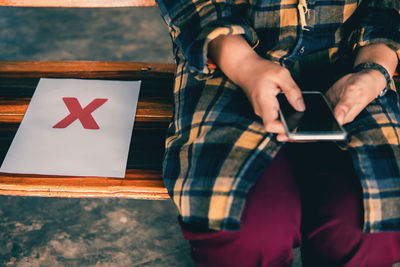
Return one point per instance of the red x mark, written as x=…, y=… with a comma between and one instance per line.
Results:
x=84, y=115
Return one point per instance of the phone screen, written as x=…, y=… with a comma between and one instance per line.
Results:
x=317, y=122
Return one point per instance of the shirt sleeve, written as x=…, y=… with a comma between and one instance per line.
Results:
x=194, y=24
x=379, y=22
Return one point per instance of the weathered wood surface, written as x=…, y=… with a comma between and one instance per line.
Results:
x=138, y=184
x=18, y=81
x=150, y=109
x=86, y=69
x=77, y=3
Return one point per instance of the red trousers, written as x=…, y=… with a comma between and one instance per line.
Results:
x=310, y=197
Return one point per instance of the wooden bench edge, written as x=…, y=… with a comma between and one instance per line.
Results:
x=78, y=3
x=138, y=184
x=89, y=194
x=37, y=69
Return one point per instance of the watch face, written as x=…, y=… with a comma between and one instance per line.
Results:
x=383, y=92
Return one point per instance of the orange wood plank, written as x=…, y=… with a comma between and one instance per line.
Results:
x=138, y=184
x=77, y=3
x=150, y=109
x=88, y=69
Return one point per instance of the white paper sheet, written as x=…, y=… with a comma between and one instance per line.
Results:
x=75, y=147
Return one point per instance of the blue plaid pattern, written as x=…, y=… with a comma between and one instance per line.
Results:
x=216, y=146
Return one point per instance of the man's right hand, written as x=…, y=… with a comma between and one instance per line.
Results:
x=260, y=79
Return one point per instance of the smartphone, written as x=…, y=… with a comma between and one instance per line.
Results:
x=316, y=123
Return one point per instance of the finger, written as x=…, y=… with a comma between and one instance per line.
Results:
x=345, y=111
x=275, y=127
x=270, y=115
x=340, y=115
x=342, y=109
x=353, y=101
x=282, y=138
x=331, y=96
x=335, y=93
x=266, y=107
x=292, y=92
x=352, y=113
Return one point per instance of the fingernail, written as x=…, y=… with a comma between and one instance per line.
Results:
x=340, y=117
x=300, y=105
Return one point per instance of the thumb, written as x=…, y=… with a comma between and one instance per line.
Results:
x=340, y=112
x=346, y=112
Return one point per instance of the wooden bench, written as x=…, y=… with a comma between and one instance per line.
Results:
x=18, y=80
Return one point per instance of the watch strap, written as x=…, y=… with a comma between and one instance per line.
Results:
x=378, y=67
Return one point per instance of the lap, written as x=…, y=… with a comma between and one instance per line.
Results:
x=309, y=192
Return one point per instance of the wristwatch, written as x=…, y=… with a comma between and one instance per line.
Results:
x=378, y=67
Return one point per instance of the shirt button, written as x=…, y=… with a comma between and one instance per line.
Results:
x=301, y=50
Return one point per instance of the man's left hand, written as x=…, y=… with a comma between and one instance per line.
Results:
x=353, y=92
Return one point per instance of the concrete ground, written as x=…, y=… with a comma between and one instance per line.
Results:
x=88, y=232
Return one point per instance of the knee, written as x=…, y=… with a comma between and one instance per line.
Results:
x=244, y=248
x=333, y=243
x=276, y=246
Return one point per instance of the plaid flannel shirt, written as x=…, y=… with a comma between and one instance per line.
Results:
x=216, y=146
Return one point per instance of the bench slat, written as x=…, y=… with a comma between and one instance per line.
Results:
x=149, y=109
x=86, y=69
x=139, y=184
x=77, y=3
